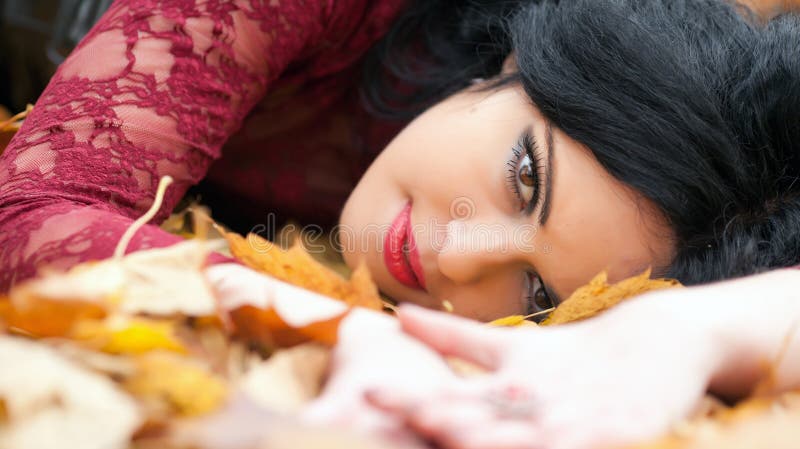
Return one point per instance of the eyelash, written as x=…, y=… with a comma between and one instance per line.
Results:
x=526, y=146
x=530, y=299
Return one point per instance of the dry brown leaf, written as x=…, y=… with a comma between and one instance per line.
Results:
x=598, y=296
x=288, y=380
x=297, y=267
x=169, y=281
x=162, y=281
x=94, y=282
x=51, y=402
x=772, y=423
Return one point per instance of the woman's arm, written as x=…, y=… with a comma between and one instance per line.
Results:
x=154, y=89
x=757, y=325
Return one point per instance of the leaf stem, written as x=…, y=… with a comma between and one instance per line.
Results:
x=163, y=183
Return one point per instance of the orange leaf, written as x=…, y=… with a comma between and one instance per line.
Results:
x=266, y=327
x=297, y=267
x=363, y=292
x=40, y=318
x=10, y=125
x=598, y=295
x=277, y=314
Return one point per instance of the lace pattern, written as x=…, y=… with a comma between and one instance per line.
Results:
x=156, y=88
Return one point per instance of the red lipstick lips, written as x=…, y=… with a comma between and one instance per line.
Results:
x=400, y=252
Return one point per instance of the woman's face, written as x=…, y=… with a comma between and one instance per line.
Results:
x=480, y=198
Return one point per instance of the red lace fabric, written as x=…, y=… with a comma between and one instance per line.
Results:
x=155, y=89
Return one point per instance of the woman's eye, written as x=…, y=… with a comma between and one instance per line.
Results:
x=526, y=179
x=537, y=299
x=524, y=170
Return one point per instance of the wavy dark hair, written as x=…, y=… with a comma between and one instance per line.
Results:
x=693, y=103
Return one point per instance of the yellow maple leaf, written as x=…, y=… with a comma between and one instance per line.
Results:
x=186, y=386
x=296, y=266
x=513, y=321
x=128, y=336
x=597, y=296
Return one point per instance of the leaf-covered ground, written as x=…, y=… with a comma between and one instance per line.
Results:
x=137, y=352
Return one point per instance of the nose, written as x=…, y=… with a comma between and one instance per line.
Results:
x=473, y=250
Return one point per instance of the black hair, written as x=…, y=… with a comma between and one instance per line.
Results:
x=693, y=103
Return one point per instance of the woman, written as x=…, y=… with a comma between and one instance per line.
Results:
x=617, y=144
x=637, y=134
x=557, y=140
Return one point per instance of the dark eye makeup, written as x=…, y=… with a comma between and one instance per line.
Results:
x=526, y=168
x=538, y=301
x=526, y=172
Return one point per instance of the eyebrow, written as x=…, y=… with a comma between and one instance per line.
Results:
x=548, y=181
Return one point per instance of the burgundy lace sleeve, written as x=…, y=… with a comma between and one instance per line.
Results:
x=154, y=89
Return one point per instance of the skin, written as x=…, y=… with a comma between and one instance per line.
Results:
x=455, y=156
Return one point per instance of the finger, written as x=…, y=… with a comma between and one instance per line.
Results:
x=453, y=336
x=404, y=403
x=359, y=418
x=390, y=401
x=437, y=418
x=432, y=418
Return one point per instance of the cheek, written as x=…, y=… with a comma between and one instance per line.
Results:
x=597, y=228
x=493, y=297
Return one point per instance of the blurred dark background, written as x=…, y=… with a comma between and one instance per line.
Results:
x=35, y=36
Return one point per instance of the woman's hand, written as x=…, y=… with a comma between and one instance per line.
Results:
x=603, y=382
x=373, y=352
x=623, y=377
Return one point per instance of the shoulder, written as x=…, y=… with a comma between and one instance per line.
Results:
x=350, y=28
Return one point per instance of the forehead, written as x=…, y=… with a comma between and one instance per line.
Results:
x=596, y=222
